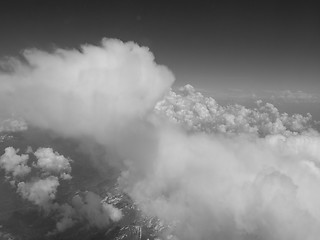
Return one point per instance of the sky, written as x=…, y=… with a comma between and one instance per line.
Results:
x=228, y=49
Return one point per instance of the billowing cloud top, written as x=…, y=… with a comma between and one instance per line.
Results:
x=53, y=163
x=196, y=112
x=90, y=91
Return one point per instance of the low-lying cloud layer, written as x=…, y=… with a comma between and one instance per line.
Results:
x=233, y=188
x=41, y=187
x=211, y=171
x=199, y=113
x=295, y=96
x=12, y=125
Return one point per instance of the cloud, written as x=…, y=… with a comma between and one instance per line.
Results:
x=65, y=217
x=41, y=192
x=13, y=125
x=230, y=172
x=53, y=163
x=86, y=208
x=91, y=208
x=14, y=164
x=41, y=189
x=232, y=188
x=95, y=91
x=100, y=93
x=295, y=96
x=196, y=112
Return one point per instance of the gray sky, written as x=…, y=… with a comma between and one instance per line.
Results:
x=224, y=48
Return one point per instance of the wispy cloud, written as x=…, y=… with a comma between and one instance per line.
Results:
x=295, y=96
x=238, y=94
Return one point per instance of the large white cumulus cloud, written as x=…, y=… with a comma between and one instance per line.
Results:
x=92, y=91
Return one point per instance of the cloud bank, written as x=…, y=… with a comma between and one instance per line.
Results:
x=196, y=112
x=209, y=171
x=232, y=188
